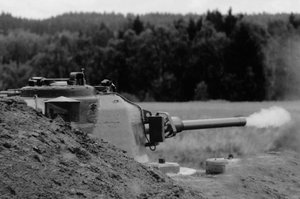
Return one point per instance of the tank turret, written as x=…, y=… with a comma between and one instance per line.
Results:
x=105, y=114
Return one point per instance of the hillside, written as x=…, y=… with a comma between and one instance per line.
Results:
x=159, y=57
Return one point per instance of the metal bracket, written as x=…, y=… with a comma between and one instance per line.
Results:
x=168, y=121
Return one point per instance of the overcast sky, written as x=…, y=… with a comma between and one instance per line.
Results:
x=40, y=9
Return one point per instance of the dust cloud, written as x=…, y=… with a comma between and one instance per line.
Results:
x=271, y=117
x=278, y=130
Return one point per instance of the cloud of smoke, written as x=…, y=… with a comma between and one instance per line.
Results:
x=272, y=117
x=289, y=139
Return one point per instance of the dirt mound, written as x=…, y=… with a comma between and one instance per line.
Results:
x=43, y=158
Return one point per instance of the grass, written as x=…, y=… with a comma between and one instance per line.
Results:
x=191, y=148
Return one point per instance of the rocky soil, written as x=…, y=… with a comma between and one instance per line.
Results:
x=43, y=158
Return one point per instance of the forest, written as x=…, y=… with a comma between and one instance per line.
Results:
x=159, y=56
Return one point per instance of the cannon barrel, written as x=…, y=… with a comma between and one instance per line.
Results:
x=182, y=125
x=162, y=125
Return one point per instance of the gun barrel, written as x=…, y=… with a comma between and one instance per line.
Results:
x=182, y=125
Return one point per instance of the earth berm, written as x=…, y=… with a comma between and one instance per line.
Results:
x=43, y=158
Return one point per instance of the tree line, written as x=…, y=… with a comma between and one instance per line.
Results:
x=160, y=57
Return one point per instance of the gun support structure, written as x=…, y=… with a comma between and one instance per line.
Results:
x=162, y=126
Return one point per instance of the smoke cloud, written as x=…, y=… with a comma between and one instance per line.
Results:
x=271, y=117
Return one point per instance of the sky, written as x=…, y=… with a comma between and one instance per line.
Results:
x=41, y=9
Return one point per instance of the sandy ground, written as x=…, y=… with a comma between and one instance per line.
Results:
x=271, y=175
x=43, y=158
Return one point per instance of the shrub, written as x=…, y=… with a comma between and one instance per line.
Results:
x=200, y=92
